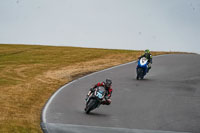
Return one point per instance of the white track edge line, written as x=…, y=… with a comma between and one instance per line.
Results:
x=113, y=128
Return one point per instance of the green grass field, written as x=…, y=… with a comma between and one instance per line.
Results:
x=30, y=74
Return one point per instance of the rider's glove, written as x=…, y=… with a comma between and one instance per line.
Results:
x=91, y=89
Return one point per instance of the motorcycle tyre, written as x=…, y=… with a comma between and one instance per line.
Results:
x=89, y=106
x=140, y=74
x=137, y=77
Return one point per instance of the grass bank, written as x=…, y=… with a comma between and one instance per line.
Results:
x=30, y=74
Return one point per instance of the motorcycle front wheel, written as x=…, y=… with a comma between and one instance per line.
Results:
x=90, y=106
x=140, y=74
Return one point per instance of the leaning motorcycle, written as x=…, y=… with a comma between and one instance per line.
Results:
x=142, y=68
x=95, y=99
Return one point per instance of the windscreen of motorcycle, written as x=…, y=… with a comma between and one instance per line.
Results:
x=143, y=61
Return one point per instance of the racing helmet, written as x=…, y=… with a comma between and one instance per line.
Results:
x=108, y=83
x=147, y=51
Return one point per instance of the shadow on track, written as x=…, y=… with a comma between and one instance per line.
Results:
x=144, y=80
x=95, y=114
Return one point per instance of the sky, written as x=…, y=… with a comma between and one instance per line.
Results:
x=158, y=25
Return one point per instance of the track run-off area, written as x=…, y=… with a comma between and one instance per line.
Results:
x=166, y=101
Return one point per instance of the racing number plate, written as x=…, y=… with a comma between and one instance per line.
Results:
x=99, y=95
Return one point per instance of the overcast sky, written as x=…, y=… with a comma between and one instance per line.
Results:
x=119, y=24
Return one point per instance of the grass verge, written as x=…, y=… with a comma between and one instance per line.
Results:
x=30, y=74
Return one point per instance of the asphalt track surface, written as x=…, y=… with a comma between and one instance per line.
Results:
x=166, y=101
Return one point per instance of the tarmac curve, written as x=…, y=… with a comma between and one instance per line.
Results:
x=166, y=101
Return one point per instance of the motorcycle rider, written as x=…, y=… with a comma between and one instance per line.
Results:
x=147, y=55
x=107, y=85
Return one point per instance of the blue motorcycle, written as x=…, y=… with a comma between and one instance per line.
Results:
x=142, y=68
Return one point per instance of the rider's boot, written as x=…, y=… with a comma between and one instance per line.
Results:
x=106, y=102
